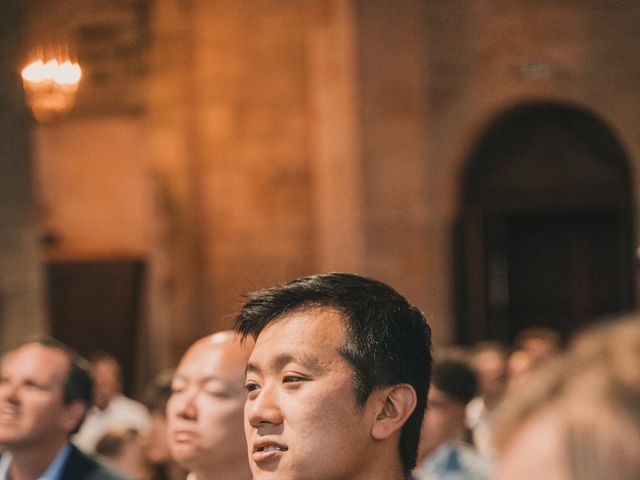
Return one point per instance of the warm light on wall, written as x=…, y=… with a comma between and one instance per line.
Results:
x=50, y=86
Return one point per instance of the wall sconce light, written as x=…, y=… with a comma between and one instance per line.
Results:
x=50, y=84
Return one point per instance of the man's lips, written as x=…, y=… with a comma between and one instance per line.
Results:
x=183, y=435
x=263, y=451
x=8, y=415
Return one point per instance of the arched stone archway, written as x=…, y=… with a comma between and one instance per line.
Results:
x=545, y=231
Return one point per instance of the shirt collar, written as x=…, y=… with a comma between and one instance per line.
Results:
x=436, y=462
x=5, y=460
x=53, y=471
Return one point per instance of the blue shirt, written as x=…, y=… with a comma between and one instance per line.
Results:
x=454, y=461
x=53, y=471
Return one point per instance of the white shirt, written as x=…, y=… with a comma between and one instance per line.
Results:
x=53, y=471
x=121, y=413
x=480, y=422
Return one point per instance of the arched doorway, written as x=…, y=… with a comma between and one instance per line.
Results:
x=545, y=231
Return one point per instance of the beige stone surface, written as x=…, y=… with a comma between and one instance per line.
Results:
x=262, y=140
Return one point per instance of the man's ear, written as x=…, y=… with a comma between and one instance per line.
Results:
x=72, y=415
x=394, y=406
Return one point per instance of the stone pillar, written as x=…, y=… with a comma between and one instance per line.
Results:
x=255, y=155
x=336, y=152
x=22, y=310
x=406, y=234
x=176, y=260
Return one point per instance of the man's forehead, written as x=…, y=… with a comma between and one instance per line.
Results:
x=281, y=359
x=36, y=360
x=443, y=398
x=436, y=394
x=210, y=360
x=306, y=336
x=37, y=350
x=312, y=317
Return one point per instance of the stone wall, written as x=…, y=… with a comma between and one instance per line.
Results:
x=22, y=309
x=254, y=154
x=486, y=57
x=262, y=140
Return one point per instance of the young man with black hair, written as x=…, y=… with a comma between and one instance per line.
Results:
x=337, y=381
x=45, y=392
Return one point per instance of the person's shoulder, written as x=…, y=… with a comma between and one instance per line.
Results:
x=103, y=473
x=126, y=402
x=125, y=405
x=80, y=466
x=476, y=466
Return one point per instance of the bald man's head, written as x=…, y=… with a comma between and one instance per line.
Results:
x=220, y=354
x=205, y=410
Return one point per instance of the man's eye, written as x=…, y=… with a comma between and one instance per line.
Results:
x=250, y=387
x=217, y=394
x=293, y=379
x=32, y=384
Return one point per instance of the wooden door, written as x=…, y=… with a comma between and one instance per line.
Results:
x=95, y=305
x=545, y=233
x=563, y=269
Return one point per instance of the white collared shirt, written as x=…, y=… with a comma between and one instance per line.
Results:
x=121, y=413
x=53, y=471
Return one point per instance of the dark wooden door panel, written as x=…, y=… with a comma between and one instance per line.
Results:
x=95, y=305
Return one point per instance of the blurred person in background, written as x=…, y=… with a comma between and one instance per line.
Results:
x=538, y=343
x=518, y=365
x=111, y=409
x=489, y=360
x=156, y=444
x=579, y=417
x=45, y=392
x=533, y=346
x=205, y=409
x=443, y=454
x=123, y=451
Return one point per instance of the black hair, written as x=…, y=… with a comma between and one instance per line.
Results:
x=456, y=379
x=78, y=386
x=157, y=393
x=387, y=340
x=113, y=443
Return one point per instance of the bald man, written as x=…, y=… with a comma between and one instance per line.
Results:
x=205, y=409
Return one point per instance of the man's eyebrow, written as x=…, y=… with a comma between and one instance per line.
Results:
x=251, y=368
x=205, y=379
x=43, y=383
x=283, y=359
x=212, y=378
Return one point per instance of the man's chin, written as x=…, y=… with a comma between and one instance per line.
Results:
x=8, y=438
x=186, y=458
x=272, y=471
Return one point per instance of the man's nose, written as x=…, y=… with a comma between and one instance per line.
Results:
x=264, y=408
x=9, y=392
x=187, y=405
